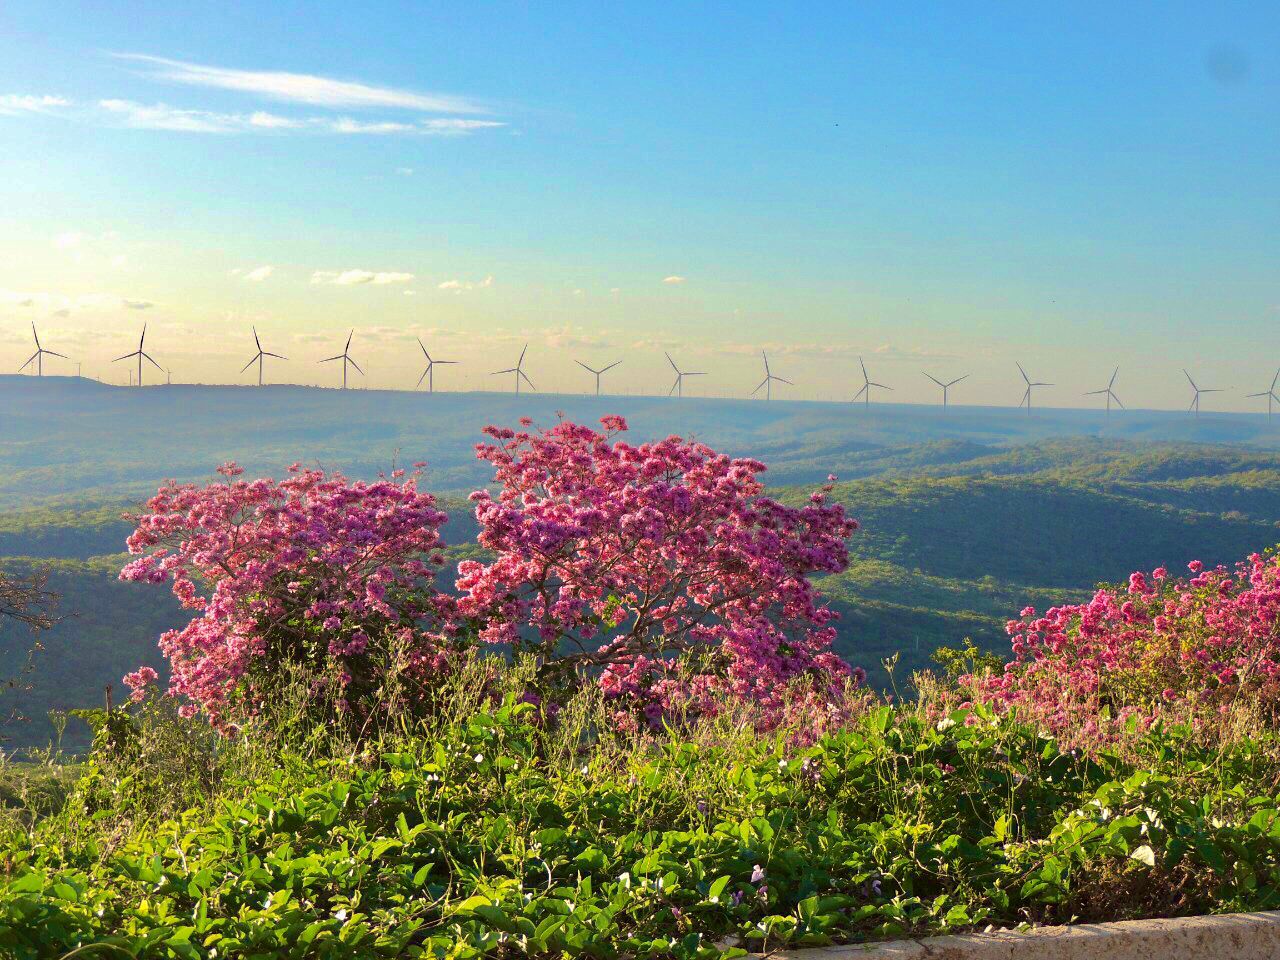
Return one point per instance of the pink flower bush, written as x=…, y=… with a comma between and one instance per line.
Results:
x=313, y=570
x=659, y=568
x=1157, y=646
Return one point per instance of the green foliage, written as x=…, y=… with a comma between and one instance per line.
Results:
x=489, y=834
x=968, y=660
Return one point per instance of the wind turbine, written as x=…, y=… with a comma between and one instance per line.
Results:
x=597, y=372
x=1026, y=396
x=518, y=370
x=141, y=354
x=345, y=357
x=678, y=386
x=868, y=383
x=945, y=386
x=1109, y=392
x=1270, y=394
x=1195, y=400
x=38, y=356
x=767, y=382
x=258, y=359
x=430, y=372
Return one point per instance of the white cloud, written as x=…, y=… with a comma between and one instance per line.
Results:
x=119, y=261
x=411, y=293
x=347, y=125
x=303, y=87
x=13, y=104
x=673, y=279
x=70, y=239
x=350, y=278
x=137, y=304
x=458, y=286
x=159, y=116
x=405, y=171
x=258, y=274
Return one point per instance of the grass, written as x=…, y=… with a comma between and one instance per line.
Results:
x=487, y=832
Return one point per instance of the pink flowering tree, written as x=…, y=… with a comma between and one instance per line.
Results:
x=1183, y=647
x=313, y=571
x=659, y=569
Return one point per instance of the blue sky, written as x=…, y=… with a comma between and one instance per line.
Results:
x=947, y=188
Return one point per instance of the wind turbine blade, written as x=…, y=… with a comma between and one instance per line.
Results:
x=148, y=357
x=255, y=338
x=424, y=349
x=520, y=363
x=674, y=385
x=935, y=380
x=670, y=361
x=757, y=389
x=356, y=365
x=125, y=357
x=585, y=367
x=1025, y=378
x=510, y=370
x=882, y=386
x=765, y=357
x=249, y=364
x=1026, y=397
x=276, y=355
x=1112, y=382
x=1212, y=390
x=446, y=361
x=53, y=353
x=957, y=380
x=1262, y=394
x=142, y=338
x=348, y=346
x=1274, y=379
x=1090, y=393
x=331, y=359
x=421, y=378
x=864, y=368
x=865, y=388
x=527, y=380
x=1117, y=400
x=29, y=360
x=611, y=366
x=1194, y=401
x=1189, y=380
x=695, y=373
x=784, y=380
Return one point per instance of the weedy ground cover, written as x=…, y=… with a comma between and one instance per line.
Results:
x=488, y=831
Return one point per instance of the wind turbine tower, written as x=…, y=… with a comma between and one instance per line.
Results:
x=39, y=355
x=258, y=359
x=345, y=357
x=868, y=383
x=678, y=387
x=1270, y=394
x=430, y=372
x=1026, y=395
x=945, y=386
x=1195, y=399
x=767, y=382
x=1109, y=392
x=597, y=373
x=141, y=354
x=518, y=371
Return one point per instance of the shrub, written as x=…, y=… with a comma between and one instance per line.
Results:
x=1158, y=646
x=314, y=571
x=659, y=567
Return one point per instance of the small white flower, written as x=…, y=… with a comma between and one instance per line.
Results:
x=945, y=724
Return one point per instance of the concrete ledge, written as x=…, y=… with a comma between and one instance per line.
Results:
x=1238, y=936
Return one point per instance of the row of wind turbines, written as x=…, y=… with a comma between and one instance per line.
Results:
x=36, y=362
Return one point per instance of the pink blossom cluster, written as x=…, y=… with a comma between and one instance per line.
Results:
x=660, y=567
x=1155, y=646
x=313, y=570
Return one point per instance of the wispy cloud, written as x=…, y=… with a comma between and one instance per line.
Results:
x=673, y=279
x=13, y=104
x=303, y=87
x=257, y=274
x=137, y=304
x=351, y=278
x=460, y=286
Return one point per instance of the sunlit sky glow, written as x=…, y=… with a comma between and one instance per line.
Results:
x=947, y=189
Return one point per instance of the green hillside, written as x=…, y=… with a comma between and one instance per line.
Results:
x=955, y=539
